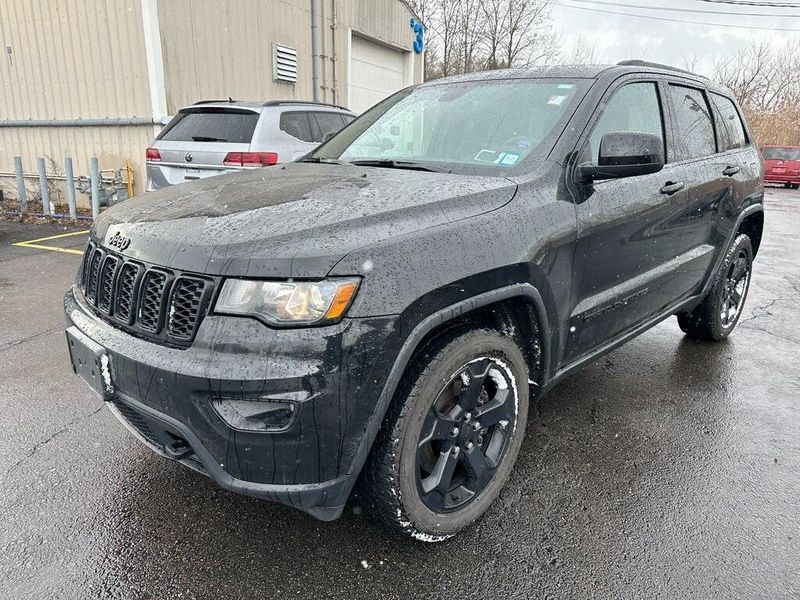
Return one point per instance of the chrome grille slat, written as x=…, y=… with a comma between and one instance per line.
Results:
x=158, y=304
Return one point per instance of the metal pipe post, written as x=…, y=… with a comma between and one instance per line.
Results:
x=70, y=185
x=315, y=49
x=44, y=193
x=23, y=199
x=94, y=174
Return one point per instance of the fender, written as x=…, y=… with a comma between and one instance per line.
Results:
x=746, y=212
x=419, y=332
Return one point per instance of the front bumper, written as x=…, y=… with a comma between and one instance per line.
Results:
x=333, y=374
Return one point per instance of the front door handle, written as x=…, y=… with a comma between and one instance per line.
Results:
x=672, y=188
x=731, y=171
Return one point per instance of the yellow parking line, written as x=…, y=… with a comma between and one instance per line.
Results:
x=53, y=237
x=34, y=244
x=51, y=248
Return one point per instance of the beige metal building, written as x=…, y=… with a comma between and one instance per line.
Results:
x=83, y=78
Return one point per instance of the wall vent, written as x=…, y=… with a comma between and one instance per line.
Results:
x=284, y=63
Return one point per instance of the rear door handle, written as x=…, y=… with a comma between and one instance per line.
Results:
x=672, y=188
x=731, y=171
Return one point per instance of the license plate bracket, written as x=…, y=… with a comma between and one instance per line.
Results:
x=90, y=362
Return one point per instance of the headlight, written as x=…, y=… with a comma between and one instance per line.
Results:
x=287, y=302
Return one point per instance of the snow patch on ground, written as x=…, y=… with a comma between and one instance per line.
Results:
x=427, y=537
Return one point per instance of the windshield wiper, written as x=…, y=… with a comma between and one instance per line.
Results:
x=317, y=159
x=203, y=138
x=397, y=164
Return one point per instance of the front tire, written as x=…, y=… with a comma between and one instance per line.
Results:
x=451, y=435
x=716, y=316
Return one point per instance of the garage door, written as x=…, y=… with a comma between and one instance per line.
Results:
x=375, y=73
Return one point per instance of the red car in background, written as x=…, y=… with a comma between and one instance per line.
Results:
x=782, y=165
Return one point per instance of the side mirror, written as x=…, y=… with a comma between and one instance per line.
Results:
x=328, y=136
x=626, y=154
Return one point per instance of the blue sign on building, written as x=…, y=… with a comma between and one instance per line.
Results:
x=419, y=41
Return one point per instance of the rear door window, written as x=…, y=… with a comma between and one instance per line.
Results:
x=633, y=107
x=326, y=122
x=298, y=125
x=731, y=132
x=694, y=134
x=211, y=125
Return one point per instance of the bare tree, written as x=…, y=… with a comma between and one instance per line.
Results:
x=494, y=12
x=528, y=32
x=584, y=51
x=765, y=78
x=473, y=35
x=690, y=61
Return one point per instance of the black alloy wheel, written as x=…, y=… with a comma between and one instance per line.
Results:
x=465, y=435
x=451, y=435
x=736, y=285
x=719, y=311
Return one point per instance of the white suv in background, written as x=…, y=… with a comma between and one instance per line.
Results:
x=217, y=136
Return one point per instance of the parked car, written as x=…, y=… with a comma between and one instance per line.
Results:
x=213, y=137
x=782, y=165
x=387, y=309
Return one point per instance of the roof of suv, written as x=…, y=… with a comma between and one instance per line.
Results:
x=257, y=106
x=578, y=71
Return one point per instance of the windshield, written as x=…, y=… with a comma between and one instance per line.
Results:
x=462, y=127
x=781, y=153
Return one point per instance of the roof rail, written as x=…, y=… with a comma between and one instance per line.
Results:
x=655, y=65
x=290, y=102
x=228, y=101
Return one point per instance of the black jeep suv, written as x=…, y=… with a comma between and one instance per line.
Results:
x=385, y=309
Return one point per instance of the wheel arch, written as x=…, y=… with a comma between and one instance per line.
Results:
x=751, y=219
x=753, y=226
x=505, y=305
x=516, y=316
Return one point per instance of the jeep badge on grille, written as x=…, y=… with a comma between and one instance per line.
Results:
x=119, y=241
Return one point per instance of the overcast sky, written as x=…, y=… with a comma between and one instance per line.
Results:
x=619, y=37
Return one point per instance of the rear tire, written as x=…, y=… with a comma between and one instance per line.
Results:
x=451, y=435
x=717, y=315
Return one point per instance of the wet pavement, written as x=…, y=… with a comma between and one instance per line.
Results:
x=668, y=469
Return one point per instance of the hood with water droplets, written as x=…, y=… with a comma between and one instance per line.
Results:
x=294, y=220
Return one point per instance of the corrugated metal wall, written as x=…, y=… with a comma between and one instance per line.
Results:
x=215, y=49
x=69, y=60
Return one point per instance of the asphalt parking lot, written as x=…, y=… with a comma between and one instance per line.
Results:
x=668, y=469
